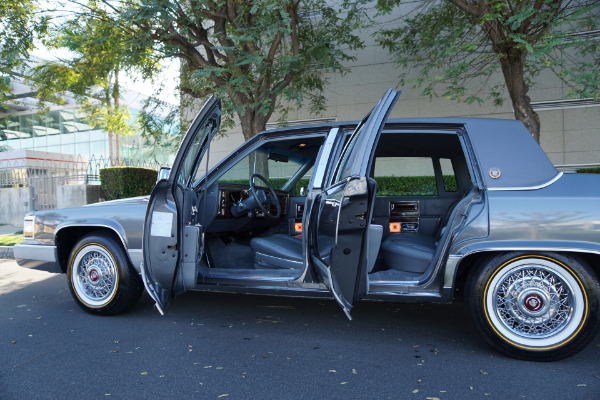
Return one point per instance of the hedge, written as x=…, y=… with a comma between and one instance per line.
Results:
x=124, y=182
x=594, y=170
x=386, y=185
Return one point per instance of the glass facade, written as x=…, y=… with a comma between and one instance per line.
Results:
x=66, y=131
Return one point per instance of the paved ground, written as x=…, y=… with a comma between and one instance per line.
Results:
x=9, y=229
x=212, y=346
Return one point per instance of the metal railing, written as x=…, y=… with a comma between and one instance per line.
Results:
x=66, y=170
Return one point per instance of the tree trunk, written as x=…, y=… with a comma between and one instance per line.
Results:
x=116, y=95
x=110, y=148
x=513, y=64
x=252, y=123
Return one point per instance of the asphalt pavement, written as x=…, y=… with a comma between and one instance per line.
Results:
x=225, y=346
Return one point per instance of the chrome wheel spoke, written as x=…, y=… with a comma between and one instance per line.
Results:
x=96, y=275
x=533, y=301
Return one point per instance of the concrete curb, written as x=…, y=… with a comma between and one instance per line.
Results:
x=6, y=252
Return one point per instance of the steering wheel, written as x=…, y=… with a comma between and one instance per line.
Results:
x=263, y=200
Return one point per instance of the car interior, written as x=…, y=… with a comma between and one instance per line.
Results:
x=254, y=231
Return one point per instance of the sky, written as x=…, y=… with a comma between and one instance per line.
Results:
x=169, y=76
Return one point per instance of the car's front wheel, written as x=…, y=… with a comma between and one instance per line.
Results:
x=539, y=307
x=101, y=278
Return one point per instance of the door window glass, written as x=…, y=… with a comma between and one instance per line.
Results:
x=342, y=170
x=191, y=163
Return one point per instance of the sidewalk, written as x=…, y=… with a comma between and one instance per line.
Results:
x=7, y=230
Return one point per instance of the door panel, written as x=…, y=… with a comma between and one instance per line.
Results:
x=172, y=206
x=160, y=235
x=336, y=248
x=341, y=214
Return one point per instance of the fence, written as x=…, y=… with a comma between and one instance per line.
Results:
x=44, y=174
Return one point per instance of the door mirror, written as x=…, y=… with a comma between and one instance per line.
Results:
x=163, y=173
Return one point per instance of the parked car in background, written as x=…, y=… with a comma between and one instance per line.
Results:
x=422, y=210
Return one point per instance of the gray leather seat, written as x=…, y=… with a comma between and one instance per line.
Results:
x=284, y=251
x=414, y=253
x=407, y=252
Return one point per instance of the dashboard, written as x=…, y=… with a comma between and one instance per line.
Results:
x=230, y=194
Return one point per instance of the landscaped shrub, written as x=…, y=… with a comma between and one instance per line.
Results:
x=123, y=182
x=406, y=186
x=595, y=170
x=386, y=185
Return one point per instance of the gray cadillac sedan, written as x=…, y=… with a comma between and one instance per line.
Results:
x=426, y=210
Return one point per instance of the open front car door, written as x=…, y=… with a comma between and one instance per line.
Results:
x=171, y=203
x=341, y=213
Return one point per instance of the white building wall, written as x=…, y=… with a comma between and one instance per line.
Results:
x=569, y=136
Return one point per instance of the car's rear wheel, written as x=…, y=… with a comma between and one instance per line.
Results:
x=101, y=278
x=540, y=307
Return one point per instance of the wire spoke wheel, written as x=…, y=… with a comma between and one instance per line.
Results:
x=101, y=277
x=96, y=277
x=535, y=303
x=539, y=307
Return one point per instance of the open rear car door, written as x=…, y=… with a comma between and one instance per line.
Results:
x=340, y=214
x=171, y=200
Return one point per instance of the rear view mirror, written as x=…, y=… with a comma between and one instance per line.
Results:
x=163, y=173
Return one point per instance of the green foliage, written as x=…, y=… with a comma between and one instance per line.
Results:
x=257, y=56
x=10, y=240
x=461, y=47
x=160, y=125
x=594, y=170
x=100, y=51
x=406, y=186
x=413, y=185
x=124, y=182
x=21, y=22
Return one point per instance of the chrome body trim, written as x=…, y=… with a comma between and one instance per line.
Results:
x=543, y=185
x=35, y=252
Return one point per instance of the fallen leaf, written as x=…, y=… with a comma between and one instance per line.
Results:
x=144, y=373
